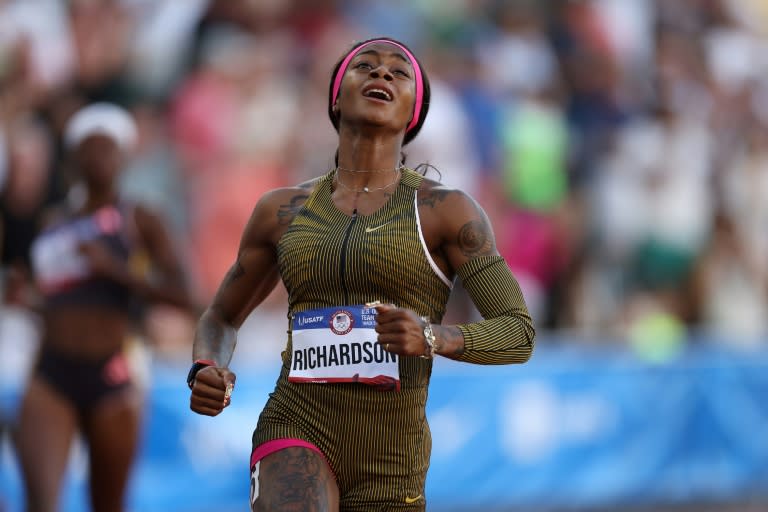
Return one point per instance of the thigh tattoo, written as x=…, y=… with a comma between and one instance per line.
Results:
x=293, y=479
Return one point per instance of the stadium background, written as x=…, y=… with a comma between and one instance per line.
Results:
x=620, y=148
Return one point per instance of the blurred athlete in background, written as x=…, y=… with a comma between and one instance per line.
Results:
x=96, y=261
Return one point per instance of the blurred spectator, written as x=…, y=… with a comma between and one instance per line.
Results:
x=605, y=136
x=41, y=29
x=153, y=175
x=102, y=34
x=29, y=189
x=731, y=286
x=161, y=40
x=445, y=140
x=242, y=86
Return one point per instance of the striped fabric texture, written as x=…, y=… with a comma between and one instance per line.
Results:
x=507, y=334
x=377, y=442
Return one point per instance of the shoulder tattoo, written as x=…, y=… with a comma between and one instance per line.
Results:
x=475, y=239
x=287, y=212
x=433, y=197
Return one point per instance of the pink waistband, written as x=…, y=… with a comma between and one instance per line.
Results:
x=274, y=445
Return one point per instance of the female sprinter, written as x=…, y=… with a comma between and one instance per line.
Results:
x=368, y=253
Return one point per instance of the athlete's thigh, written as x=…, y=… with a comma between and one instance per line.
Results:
x=111, y=430
x=294, y=479
x=46, y=426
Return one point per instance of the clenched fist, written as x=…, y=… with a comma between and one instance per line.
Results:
x=212, y=390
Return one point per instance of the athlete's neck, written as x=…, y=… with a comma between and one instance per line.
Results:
x=368, y=160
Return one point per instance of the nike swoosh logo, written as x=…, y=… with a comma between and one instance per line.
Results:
x=371, y=230
x=412, y=500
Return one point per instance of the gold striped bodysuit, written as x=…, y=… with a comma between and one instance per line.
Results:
x=377, y=442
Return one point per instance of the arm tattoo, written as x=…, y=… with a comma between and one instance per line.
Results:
x=475, y=239
x=235, y=272
x=452, y=339
x=287, y=212
x=433, y=197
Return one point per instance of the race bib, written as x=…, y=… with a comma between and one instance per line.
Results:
x=55, y=254
x=339, y=344
x=56, y=260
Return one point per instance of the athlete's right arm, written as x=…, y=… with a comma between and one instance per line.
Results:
x=248, y=282
x=251, y=278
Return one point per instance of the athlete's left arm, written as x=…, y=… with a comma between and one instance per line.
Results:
x=168, y=281
x=506, y=333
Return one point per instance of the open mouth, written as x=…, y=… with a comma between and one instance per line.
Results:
x=379, y=94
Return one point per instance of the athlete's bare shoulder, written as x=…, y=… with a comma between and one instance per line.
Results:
x=277, y=208
x=451, y=216
x=437, y=196
x=284, y=203
x=310, y=184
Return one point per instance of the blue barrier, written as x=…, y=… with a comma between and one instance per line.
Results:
x=576, y=427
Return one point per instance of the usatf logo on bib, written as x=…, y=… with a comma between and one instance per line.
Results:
x=340, y=345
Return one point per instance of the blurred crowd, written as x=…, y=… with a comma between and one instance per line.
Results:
x=620, y=147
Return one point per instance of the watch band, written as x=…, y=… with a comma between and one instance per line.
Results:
x=430, y=341
x=196, y=367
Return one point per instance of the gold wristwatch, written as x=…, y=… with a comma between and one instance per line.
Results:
x=430, y=341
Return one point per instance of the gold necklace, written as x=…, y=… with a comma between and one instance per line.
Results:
x=398, y=168
x=366, y=189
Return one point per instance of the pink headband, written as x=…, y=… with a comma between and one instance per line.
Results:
x=416, y=72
